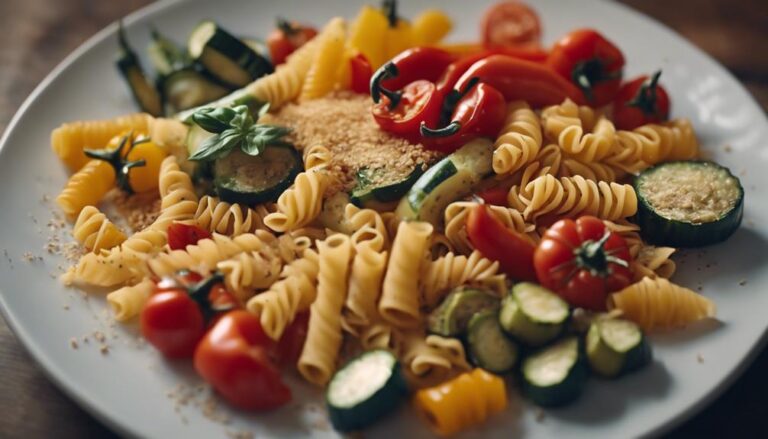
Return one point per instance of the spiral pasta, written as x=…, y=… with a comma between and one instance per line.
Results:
x=86, y=187
x=318, y=358
x=456, y=219
x=292, y=294
x=430, y=358
x=249, y=271
x=221, y=217
x=357, y=219
x=653, y=143
x=69, y=140
x=301, y=204
x=462, y=402
x=519, y=141
x=660, y=304
x=451, y=270
x=178, y=201
x=316, y=156
x=595, y=171
x=399, y=304
x=95, y=231
x=365, y=280
x=321, y=77
x=653, y=261
x=579, y=131
x=127, y=302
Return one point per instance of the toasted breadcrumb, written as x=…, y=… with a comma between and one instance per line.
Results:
x=139, y=210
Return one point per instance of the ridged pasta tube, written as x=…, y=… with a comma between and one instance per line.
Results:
x=86, y=187
x=519, y=141
x=321, y=77
x=365, y=279
x=95, y=231
x=301, y=204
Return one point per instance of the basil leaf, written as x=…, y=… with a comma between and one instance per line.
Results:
x=214, y=120
x=217, y=146
x=263, y=109
x=260, y=136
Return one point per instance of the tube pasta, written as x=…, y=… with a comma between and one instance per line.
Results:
x=127, y=302
x=95, y=231
x=520, y=139
x=365, y=280
x=579, y=131
x=321, y=77
x=301, y=204
x=450, y=271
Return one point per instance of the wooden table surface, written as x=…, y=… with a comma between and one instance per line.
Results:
x=40, y=33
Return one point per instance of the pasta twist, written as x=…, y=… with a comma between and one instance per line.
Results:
x=465, y=401
x=294, y=293
x=301, y=204
x=221, y=217
x=574, y=196
x=69, y=140
x=379, y=335
x=520, y=139
x=321, y=77
x=95, y=231
x=653, y=143
x=127, y=302
x=451, y=271
x=357, y=219
x=431, y=358
x=318, y=358
x=86, y=188
x=365, y=280
x=456, y=219
x=595, y=171
x=399, y=304
x=653, y=262
x=316, y=156
x=579, y=131
x=178, y=201
x=250, y=271
x=660, y=304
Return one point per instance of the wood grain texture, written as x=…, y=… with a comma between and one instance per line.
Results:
x=43, y=32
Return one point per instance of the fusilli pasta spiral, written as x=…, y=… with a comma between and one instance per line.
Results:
x=127, y=302
x=86, y=187
x=301, y=204
x=450, y=271
x=520, y=139
x=316, y=156
x=95, y=231
x=221, y=217
x=456, y=219
x=365, y=280
x=247, y=272
x=579, y=131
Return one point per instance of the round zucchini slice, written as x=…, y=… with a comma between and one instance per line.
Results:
x=555, y=375
x=451, y=318
x=616, y=346
x=245, y=179
x=532, y=314
x=688, y=203
x=489, y=346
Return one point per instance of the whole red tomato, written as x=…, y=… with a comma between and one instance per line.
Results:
x=288, y=37
x=510, y=23
x=583, y=262
x=234, y=357
x=639, y=102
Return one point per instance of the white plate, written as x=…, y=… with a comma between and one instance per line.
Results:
x=127, y=387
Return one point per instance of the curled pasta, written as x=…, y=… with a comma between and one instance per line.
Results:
x=465, y=401
x=595, y=171
x=365, y=280
x=653, y=143
x=520, y=139
x=69, y=140
x=318, y=358
x=399, y=304
x=250, y=271
x=86, y=187
x=378, y=335
x=221, y=217
x=301, y=204
x=292, y=294
x=653, y=261
x=95, y=231
x=579, y=131
x=127, y=302
x=178, y=201
x=430, y=358
x=660, y=304
x=451, y=270
x=456, y=219
x=316, y=156
x=321, y=77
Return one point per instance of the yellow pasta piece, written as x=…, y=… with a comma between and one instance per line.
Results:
x=451, y=271
x=367, y=33
x=660, y=304
x=178, y=200
x=95, y=231
x=519, y=141
x=654, y=143
x=430, y=26
x=248, y=272
x=221, y=217
x=579, y=131
x=301, y=204
x=365, y=280
x=127, y=302
x=86, y=187
x=430, y=358
x=322, y=75
x=316, y=156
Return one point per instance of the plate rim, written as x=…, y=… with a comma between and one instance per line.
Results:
x=83, y=399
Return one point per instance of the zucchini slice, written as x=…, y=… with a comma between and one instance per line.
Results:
x=688, y=203
x=370, y=190
x=226, y=57
x=145, y=95
x=165, y=55
x=451, y=178
x=532, y=314
x=245, y=179
x=366, y=389
x=188, y=88
x=555, y=375
x=616, y=346
x=450, y=319
x=489, y=347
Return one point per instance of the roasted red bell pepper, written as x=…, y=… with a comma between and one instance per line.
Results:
x=426, y=63
x=360, y=72
x=519, y=79
x=235, y=358
x=402, y=113
x=497, y=242
x=591, y=62
x=478, y=110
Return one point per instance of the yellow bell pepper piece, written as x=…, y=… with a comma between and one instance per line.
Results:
x=430, y=27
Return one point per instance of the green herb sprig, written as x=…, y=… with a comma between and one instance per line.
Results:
x=235, y=128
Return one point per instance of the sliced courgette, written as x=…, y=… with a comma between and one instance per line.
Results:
x=257, y=46
x=616, y=346
x=688, y=203
x=371, y=189
x=555, y=375
x=245, y=179
x=366, y=389
x=532, y=314
x=489, y=347
x=451, y=178
x=145, y=95
x=450, y=319
x=189, y=88
x=166, y=55
x=226, y=57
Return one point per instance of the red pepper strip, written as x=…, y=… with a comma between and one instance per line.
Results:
x=522, y=52
x=496, y=195
x=456, y=69
x=361, y=73
x=496, y=242
x=414, y=64
x=419, y=102
x=478, y=110
x=518, y=79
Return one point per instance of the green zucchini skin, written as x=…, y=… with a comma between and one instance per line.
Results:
x=569, y=387
x=382, y=398
x=366, y=195
x=658, y=230
x=189, y=87
x=165, y=55
x=236, y=189
x=451, y=318
x=142, y=90
x=521, y=322
x=610, y=361
x=489, y=346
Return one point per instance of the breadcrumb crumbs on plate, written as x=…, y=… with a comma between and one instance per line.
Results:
x=699, y=358
x=742, y=282
x=342, y=122
x=73, y=343
x=138, y=210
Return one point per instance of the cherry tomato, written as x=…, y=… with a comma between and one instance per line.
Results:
x=234, y=357
x=582, y=261
x=639, y=102
x=181, y=235
x=291, y=342
x=510, y=23
x=141, y=178
x=288, y=37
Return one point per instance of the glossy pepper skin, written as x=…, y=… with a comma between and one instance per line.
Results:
x=479, y=110
x=360, y=72
x=518, y=79
x=641, y=101
x=591, y=62
x=497, y=242
x=234, y=357
x=403, y=112
x=427, y=63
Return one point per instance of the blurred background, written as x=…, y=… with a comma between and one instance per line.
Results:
x=40, y=33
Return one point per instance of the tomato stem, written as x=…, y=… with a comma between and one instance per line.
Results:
x=390, y=10
x=117, y=159
x=286, y=27
x=646, y=96
x=592, y=256
x=588, y=73
x=387, y=71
